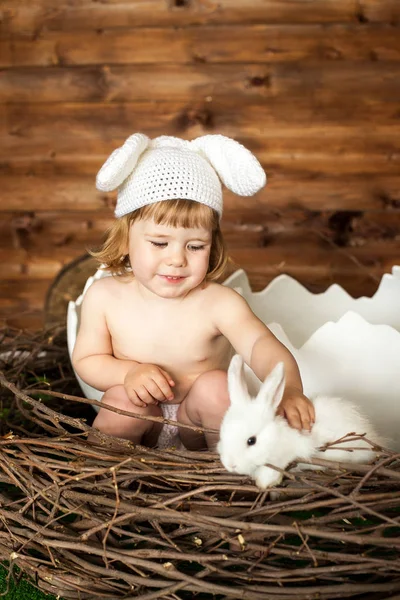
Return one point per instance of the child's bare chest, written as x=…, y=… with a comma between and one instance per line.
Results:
x=176, y=334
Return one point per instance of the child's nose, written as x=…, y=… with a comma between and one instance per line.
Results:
x=177, y=258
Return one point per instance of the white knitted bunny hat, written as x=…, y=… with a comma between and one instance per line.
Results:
x=167, y=168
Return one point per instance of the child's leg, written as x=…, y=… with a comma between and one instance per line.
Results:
x=128, y=428
x=204, y=406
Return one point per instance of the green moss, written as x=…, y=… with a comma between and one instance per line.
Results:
x=21, y=591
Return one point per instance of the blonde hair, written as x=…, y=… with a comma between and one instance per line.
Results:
x=175, y=213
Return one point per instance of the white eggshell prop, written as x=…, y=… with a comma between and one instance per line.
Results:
x=300, y=312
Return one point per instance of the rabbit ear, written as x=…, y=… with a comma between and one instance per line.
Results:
x=271, y=390
x=237, y=386
x=236, y=166
x=121, y=163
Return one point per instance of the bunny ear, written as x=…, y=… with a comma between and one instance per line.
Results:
x=272, y=389
x=121, y=163
x=237, y=386
x=236, y=166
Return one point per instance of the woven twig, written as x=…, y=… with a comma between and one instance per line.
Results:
x=111, y=520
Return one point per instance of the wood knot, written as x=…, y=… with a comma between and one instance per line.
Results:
x=258, y=81
x=361, y=18
x=388, y=202
x=195, y=116
x=180, y=3
x=341, y=224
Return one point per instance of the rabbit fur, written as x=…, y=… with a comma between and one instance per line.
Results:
x=252, y=434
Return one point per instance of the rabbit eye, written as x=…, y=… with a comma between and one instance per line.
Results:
x=252, y=440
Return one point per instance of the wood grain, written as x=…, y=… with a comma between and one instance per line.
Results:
x=75, y=139
x=78, y=193
x=312, y=87
x=22, y=302
x=206, y=45
x=29, y=18
x=188, y=118
x=324, y=154
x=123, y=83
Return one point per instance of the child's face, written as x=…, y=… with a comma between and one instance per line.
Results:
x=169, y=261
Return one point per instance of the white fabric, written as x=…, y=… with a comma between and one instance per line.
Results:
x=147, y=171
x=169, y=435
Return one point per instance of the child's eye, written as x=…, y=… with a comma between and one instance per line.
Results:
x=159, y=244
x=195, y=248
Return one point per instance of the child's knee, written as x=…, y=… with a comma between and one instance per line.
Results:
x=210, y=391
x=205, y=406
x=212, y=382
x=116, y=396
x=125, y=426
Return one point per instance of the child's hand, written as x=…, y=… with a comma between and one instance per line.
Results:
x=148, y=384
x=297, y=408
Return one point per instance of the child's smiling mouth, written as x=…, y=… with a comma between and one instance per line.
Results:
x=172, y=278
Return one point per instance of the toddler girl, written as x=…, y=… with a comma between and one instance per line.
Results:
x=158, y=335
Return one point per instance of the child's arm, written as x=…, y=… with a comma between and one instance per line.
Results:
x=92, y=357
x=261, y=350
x=94, y=362
x=295, y=406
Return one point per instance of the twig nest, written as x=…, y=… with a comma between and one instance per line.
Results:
x=110, y=520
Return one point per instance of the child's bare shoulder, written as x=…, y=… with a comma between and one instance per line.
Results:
x=221, y=295
x=103, y=289
x=221, y=290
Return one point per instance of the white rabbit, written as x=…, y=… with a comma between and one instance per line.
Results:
x=252, y=434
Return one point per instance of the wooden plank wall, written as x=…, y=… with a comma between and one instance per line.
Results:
x=311, y=86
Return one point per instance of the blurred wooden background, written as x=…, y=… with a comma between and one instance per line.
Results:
x=311, y=86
